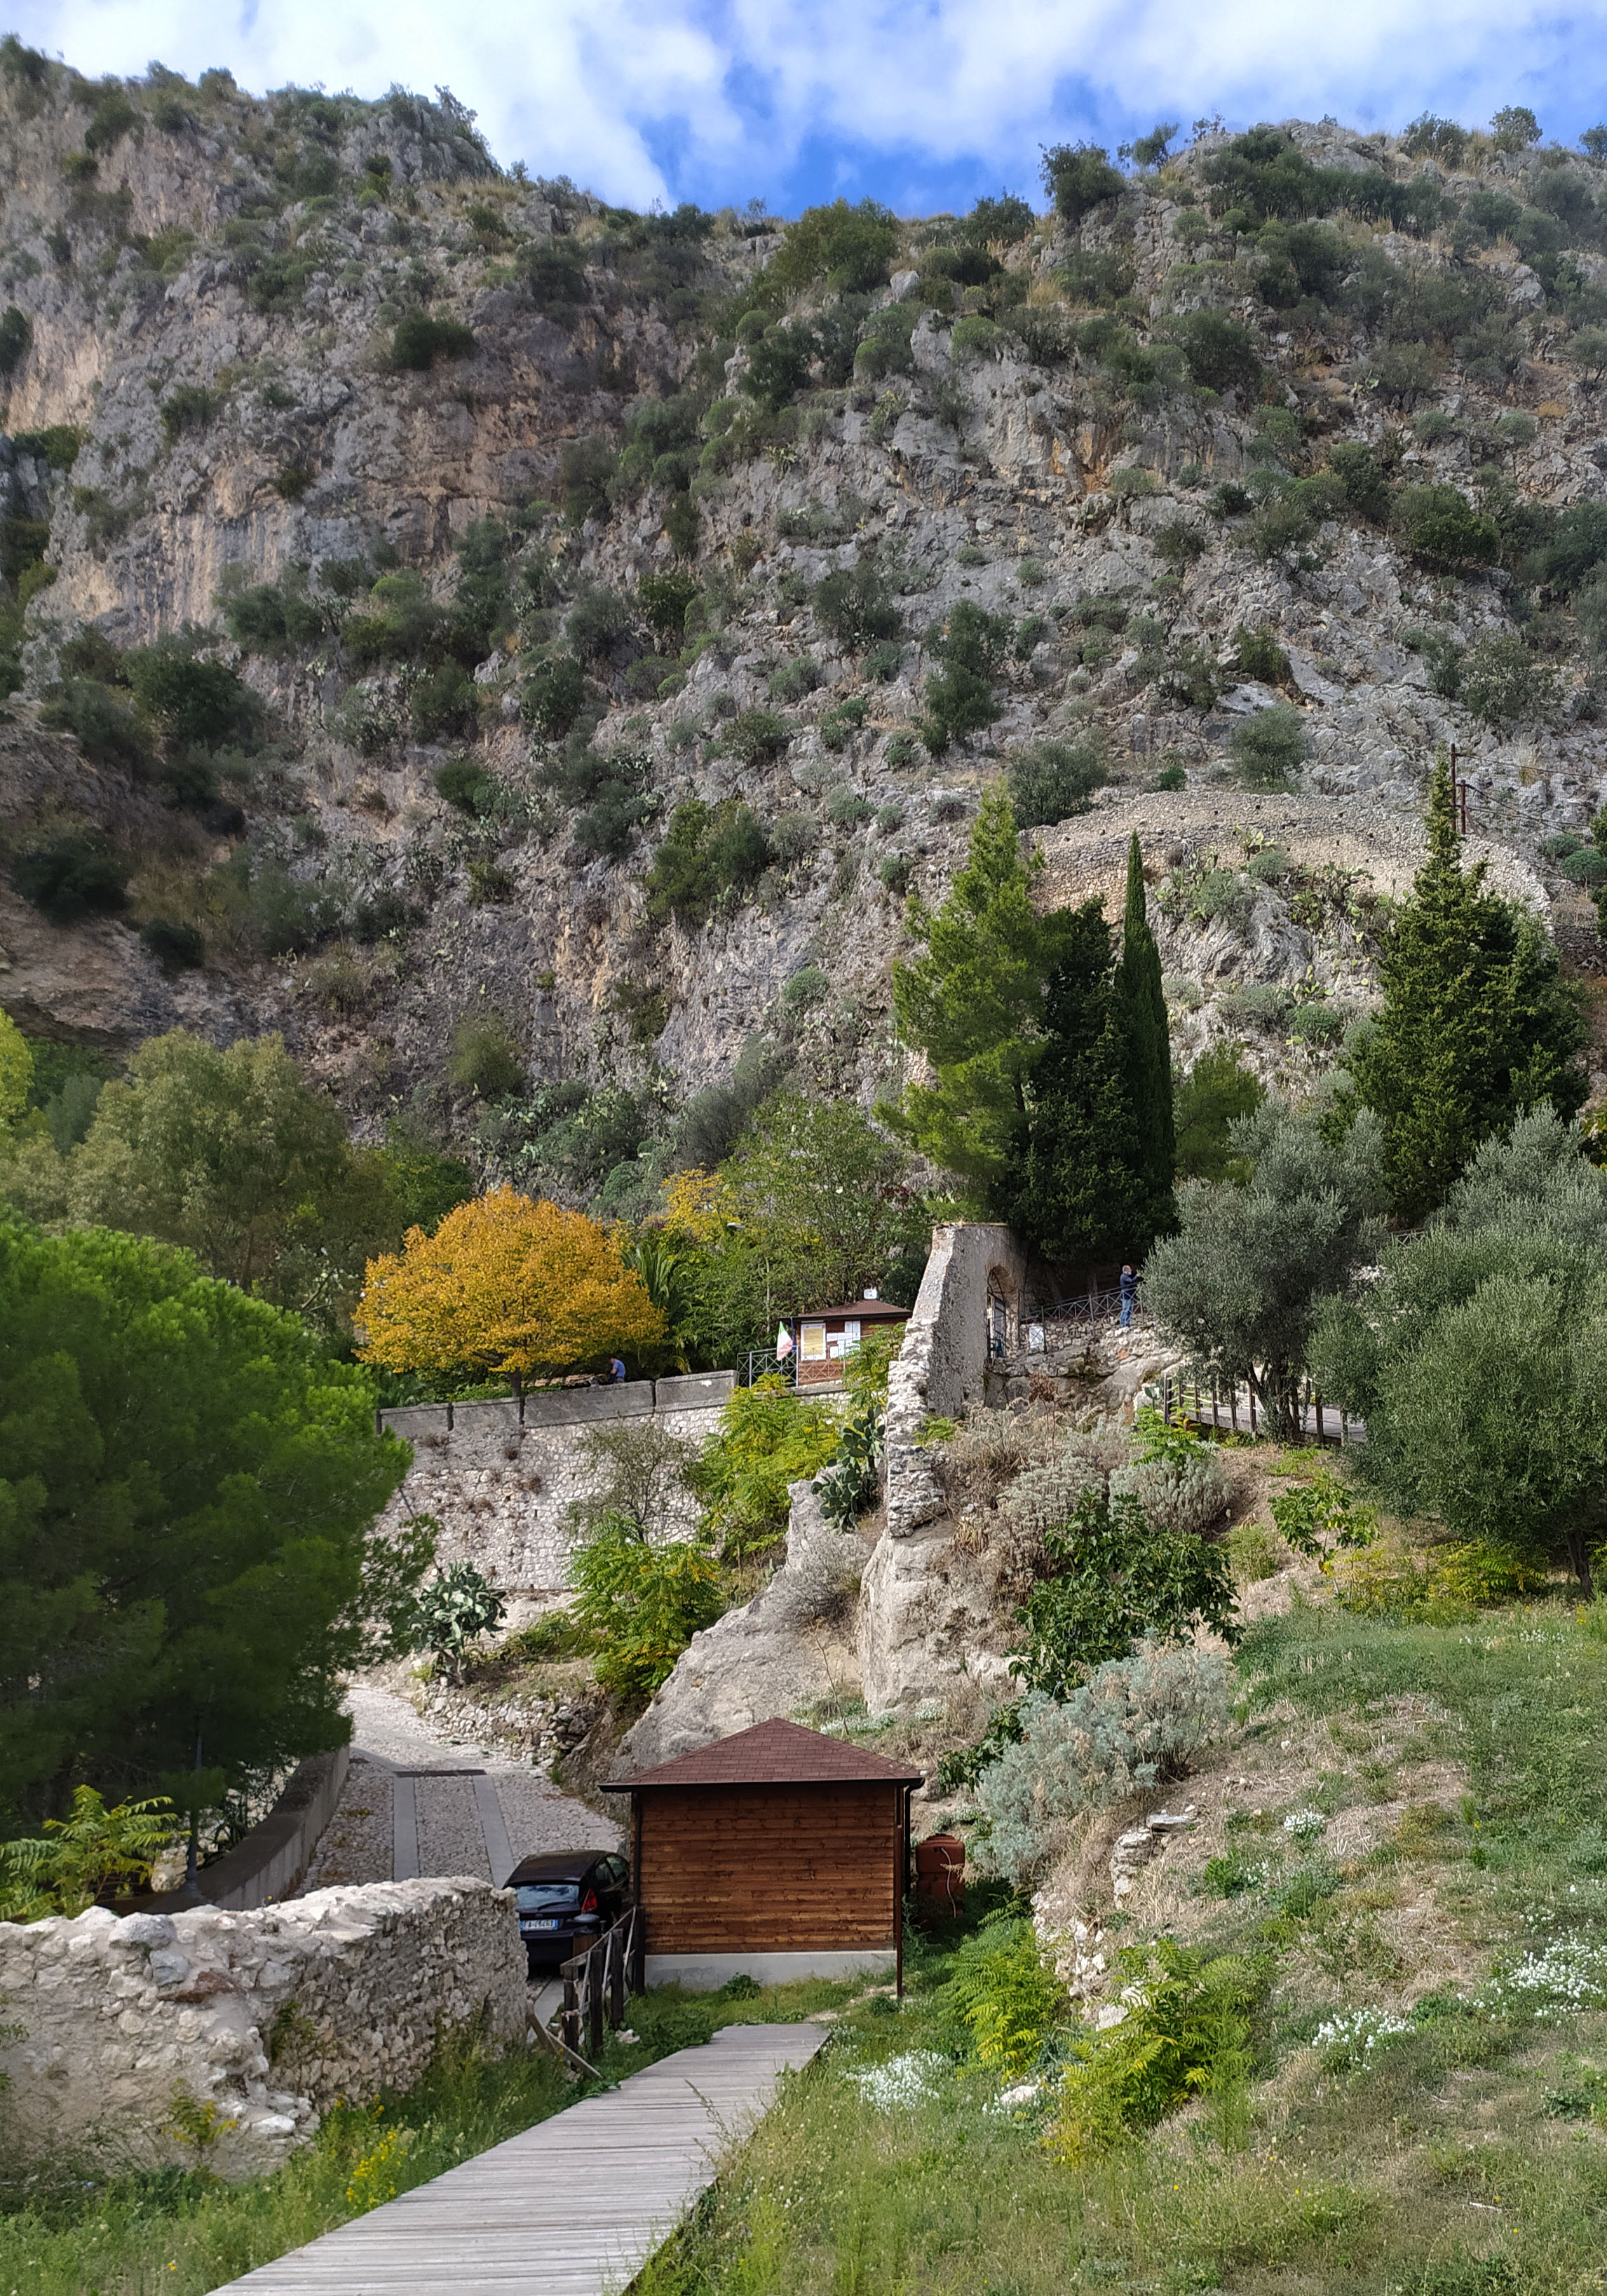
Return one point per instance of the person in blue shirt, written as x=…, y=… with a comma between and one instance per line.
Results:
x=616, y=1370
x=1129, y=1286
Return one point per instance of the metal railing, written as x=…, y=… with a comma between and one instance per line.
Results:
x=596, y=1984
x=1186, y=1402
x=763, y=1364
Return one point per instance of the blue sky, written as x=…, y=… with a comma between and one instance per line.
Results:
x=925, y=103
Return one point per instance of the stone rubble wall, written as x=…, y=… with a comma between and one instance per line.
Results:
x=268, y=2016
x=501, y=1487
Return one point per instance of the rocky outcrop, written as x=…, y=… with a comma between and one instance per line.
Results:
x=788, y=1648
x=219, y=2039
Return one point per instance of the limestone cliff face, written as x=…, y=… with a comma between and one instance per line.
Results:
x=208, y=400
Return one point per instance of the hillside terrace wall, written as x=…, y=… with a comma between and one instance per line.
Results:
x=501, y=1483
x=268, y=2015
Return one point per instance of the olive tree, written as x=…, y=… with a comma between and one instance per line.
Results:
x=1239, y=1284
x=1479, y=1359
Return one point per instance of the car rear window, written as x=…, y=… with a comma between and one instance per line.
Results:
x=534, y=1896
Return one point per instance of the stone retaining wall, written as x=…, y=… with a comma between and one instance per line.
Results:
x=268, y=2016
x=501, y=1484
x=277, y=1851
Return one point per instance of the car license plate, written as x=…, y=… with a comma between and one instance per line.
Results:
x=527, y=1926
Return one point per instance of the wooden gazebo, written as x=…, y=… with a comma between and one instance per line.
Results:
x=779, y=1853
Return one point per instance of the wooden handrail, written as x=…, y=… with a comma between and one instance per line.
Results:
x=597, y=1983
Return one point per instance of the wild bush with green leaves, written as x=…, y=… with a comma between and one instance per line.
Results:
x=768, y=1438
x=642, y=1602
x=1112, y=1577
x=1005, y=1996
x=1054, y=781
x=79, y=1860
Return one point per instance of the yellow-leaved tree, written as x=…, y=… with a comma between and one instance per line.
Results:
x=16, y=1071
x=508, y=1285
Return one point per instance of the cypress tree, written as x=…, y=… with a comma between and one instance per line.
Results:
x=1076, y=1187
x=1477, y=1024
x=1141, y=1007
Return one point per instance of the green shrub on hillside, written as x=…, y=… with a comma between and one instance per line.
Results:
x=72, y=876
x=419, y=342
x=708, y=852
x=1133, y=1722
x=1267, y=749
x=108, y=731
x=1440, y=528
x=485, y=1060
x=972, y=646
x=1053, y=781
x=643, y=1604
x=850, y=247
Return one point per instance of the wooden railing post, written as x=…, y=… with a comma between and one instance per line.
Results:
x=571, y=2007
x=594, y=2001
x=616, y=1978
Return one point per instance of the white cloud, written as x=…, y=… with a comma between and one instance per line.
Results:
x=595, y=88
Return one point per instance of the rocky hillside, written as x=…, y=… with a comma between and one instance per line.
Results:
x=527, y=652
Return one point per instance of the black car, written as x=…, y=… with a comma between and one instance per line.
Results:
x=566, y=1899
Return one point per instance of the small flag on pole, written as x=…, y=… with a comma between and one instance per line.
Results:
x=784, y=1344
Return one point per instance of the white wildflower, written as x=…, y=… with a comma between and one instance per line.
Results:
x=902, y=2083
x=1351, y=2038
x=1304, y=1825
x=1568, y=1975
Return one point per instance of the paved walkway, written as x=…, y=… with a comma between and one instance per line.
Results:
x=573, y=2207
x=417, y=1803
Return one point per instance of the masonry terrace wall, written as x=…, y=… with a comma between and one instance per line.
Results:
x=270, y=2015
x=501, y=1484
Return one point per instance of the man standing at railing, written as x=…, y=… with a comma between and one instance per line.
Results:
x=1129, y=1287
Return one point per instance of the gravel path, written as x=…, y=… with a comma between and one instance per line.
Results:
x=388, y=1736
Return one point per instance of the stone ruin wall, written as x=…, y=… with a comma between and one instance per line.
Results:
x=269, y=2016
x=501, y=1487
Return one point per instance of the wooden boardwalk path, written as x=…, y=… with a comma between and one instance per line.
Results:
x=573, y=2207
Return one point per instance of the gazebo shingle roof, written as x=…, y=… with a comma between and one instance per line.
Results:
x=772, y=1753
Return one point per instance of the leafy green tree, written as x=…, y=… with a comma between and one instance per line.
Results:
x=1241, y=1282
x=975, y=1004
x=1515, y=128
x=1114, y=1580
x=1477, y=1024
x=229, y=1153
x=850, y=247
x=1479, y=1359
x=458, y=1603
x=1142, y=1017
x=1078, y=178
x=16, y=1072
x=1216, y=1092
x=822, y=1196
x=187, y=1491
x=642, y=1604
x=971, y=646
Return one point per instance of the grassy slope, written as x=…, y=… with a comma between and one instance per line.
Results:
x=1462, y=2161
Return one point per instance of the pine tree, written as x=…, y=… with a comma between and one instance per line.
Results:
x=974, y=1002
x=1477, y=1024
x=1141, y=1005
